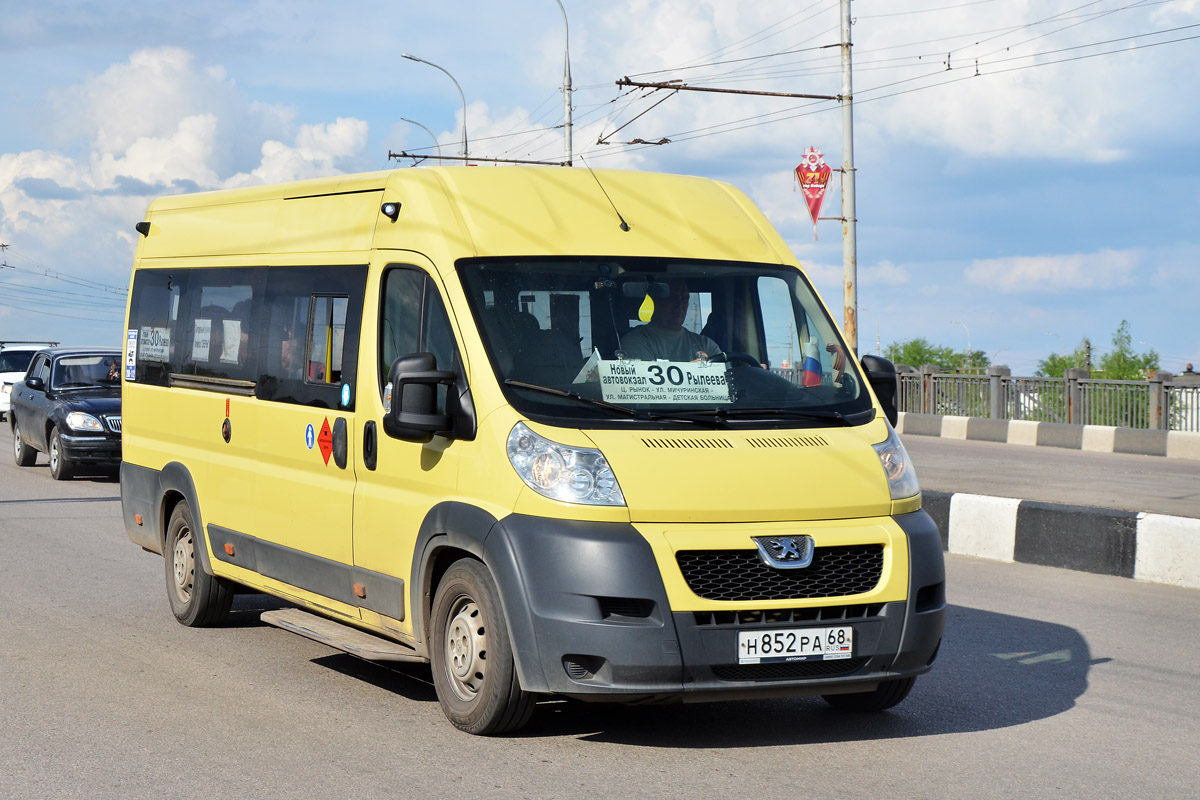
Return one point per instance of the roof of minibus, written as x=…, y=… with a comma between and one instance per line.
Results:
x=453, y=212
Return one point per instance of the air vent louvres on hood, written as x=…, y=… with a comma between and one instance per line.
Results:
x=787, y=441
x=687, y=444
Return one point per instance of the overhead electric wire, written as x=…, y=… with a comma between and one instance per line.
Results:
x=50, y=313
x=923, y=10
x=54, y=274
x=726, y=126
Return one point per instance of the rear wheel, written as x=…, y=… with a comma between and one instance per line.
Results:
x=23, y=453
x=472, y=658
x=197, y=598
x=886, y=695
x=61, y=467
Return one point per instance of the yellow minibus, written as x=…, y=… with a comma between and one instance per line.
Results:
x=555, y=432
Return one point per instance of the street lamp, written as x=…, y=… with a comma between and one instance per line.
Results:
x=877, y=350
x=968, y=330
x=436, y=143
x=460, y=94
x=566, y=82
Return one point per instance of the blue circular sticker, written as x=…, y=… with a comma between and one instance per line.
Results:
x=310, y=437
x=345, y=394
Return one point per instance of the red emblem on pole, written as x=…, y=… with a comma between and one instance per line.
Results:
x=325, y=441
x=813, y=174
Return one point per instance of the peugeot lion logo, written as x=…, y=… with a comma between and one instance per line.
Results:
x=785, y=552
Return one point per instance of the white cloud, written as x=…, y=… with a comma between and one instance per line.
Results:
x=158, y=123
x=184, y=154
x=1106, y=269
x=317, y=151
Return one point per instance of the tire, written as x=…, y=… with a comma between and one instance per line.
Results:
x=471, y=654
x=61, y=467
x=22, y=452
x=197, y=599
x=885, y=696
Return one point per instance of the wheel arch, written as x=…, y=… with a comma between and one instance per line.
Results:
x=175, y=485
x=451, y=531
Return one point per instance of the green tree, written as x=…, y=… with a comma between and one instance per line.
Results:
x=1122, y=363
x=920, y=351
x=1055, y=364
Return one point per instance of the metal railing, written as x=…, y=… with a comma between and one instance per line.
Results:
x=1161, y=403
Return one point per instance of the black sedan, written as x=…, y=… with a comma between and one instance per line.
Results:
x=69, y=407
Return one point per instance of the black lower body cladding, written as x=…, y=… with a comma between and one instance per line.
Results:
x=590, y=618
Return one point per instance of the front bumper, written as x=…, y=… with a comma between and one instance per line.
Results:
x=590, y=619
x=92, y=449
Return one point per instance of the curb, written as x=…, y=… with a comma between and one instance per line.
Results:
x=1127, y=544
x=1094, y=438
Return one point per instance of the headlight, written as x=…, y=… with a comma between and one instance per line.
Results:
x=79, y=421
x=901, y=477
x=570, y=474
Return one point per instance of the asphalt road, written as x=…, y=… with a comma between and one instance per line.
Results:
x=1049, y=682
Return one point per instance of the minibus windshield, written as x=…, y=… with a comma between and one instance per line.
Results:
x=723, y=344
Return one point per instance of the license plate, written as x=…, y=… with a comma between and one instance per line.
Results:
x=795, y=644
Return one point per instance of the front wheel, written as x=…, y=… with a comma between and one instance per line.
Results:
x=885, y=695
x=197, y=598
x=23, y=453
x=472, y=658
x=61, y=467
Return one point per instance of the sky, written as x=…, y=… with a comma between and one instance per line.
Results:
x=1027, y=171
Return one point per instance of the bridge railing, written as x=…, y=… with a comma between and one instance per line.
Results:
x=1161, y=403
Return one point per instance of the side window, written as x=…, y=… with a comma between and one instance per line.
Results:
x=414, y=320
x=310, y=352
x=153, y=312
x=220, y=331
x=41, y=369
x=784, y=349
x=326, y=339
x=291, y=331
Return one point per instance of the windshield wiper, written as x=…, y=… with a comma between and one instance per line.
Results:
x=653, y=416
x=626, y=410
x=857, y=418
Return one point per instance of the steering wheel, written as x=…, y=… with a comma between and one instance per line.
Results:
x=742, y=359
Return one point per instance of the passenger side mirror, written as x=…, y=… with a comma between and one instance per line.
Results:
x=35, y=383
x=413, y=416
x=881, y=374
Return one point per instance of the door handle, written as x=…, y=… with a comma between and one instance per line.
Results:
x=370, y=445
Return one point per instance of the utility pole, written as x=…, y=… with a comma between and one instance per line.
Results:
x=849, y=240
x=566, y=84
x=846, y=98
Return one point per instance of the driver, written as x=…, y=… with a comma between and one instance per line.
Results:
x=664, y=337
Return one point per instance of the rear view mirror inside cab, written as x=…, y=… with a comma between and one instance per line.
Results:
x=657, y=290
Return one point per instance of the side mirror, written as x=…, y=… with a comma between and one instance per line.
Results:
x=881, y=374
x=413, y=416
x=35, y=383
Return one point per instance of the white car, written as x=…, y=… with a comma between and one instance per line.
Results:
x=14, y=360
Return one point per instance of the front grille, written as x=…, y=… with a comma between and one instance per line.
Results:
x=114, y=424
x=785, y=616
x=788, y=671
x=732, y=575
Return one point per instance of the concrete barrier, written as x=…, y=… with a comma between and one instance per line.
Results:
x=1094, y=438
x=1128, y=544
